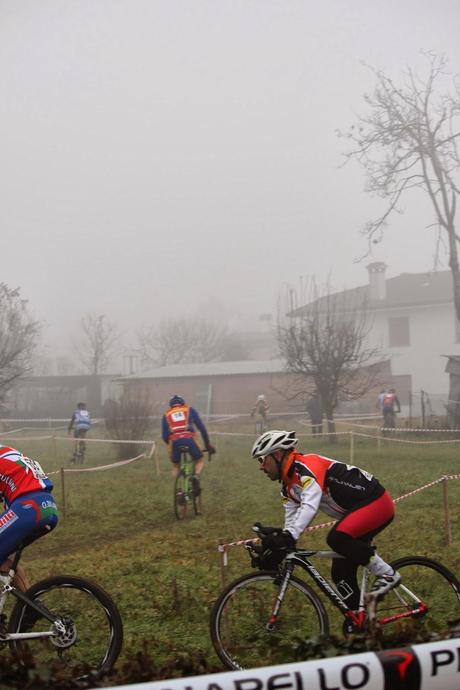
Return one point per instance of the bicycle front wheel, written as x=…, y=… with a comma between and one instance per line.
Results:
x=427, y=599
x=87, y=634
x=240, y=616
x=180, y=496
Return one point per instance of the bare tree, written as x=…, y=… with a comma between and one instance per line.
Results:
x=97, y=347
x=409, y=141
x=18, y=338
x=182, y=340
x=324, y=346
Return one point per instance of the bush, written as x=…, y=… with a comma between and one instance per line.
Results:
x=128, y=419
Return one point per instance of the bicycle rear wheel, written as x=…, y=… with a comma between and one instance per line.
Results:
x=240, y=615
x=88, y=634
x=427, y=589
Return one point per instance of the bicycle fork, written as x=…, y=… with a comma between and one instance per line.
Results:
x=271, y=623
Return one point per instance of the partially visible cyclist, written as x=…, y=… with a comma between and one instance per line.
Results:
x=261, y=409
x=390, y=406
x=26, y=492
x=80, y=422
x=178, y=430
x=349, y=494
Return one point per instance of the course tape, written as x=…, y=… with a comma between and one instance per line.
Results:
x=405, y=440
x=429, y=666
x=100, y=467
x=222, y=548
x=145, y=442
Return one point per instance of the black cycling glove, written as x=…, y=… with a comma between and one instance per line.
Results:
x=280, y=540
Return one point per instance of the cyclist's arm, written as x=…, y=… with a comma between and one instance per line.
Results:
x=72, y=419
x=195, y=419
x=298, y=517
x=397, y=404
x=164, y=430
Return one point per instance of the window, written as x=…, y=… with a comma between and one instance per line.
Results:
x=398, y=328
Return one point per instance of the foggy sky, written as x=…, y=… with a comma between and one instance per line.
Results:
x=169, y=157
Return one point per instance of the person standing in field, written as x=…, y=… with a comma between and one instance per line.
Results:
x=315, y=412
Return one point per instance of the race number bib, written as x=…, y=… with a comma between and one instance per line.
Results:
x=178, y=416
x=34, y=467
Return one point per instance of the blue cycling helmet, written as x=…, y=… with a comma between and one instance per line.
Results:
x=176, y=400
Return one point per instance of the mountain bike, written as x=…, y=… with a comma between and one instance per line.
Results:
x=267, y=617
x=64, y=618
x=187, y=487
x=80, y=449
x=261, y=424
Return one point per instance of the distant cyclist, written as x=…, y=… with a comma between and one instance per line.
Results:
x=80, y=422
x=178, y=429
x=352, y=496
x=261, y=410
x=29, y=505
x=390, y=405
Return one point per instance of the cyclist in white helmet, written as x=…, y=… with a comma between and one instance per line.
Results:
x=354, y=497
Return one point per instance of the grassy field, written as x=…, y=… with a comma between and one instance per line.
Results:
x=120, y=529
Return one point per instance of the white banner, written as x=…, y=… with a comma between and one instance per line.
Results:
x=431, y=666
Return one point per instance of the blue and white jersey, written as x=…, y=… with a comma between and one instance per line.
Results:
x=81, y=420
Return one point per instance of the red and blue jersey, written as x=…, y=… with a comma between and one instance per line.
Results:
x=20, y=475
x=179, y=422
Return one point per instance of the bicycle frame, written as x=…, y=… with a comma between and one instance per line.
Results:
x=187, y=468
x=301, y=558
x=8, y=588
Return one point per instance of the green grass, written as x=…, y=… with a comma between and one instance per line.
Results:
x=120, y=530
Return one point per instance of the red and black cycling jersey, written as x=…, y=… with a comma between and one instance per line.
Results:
x=314, y=482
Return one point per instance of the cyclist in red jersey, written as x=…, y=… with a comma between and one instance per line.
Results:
x=354, y=497
x=178, y=430
x=29, y=505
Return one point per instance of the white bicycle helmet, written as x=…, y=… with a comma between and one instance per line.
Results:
x=274, y=440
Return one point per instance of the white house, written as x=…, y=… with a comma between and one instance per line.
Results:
x=414, y=324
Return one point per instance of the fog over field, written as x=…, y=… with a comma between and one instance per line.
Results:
x=163, y=158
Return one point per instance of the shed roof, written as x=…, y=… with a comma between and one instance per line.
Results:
x=172, y=371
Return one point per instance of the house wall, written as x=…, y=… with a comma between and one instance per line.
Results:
x=432, y=335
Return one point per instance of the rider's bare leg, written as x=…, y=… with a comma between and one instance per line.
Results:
x=199, y=466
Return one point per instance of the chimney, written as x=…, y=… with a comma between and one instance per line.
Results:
x=377, y=283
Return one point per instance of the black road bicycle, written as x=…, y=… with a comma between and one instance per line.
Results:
x=265, y=617
x=64, y=618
